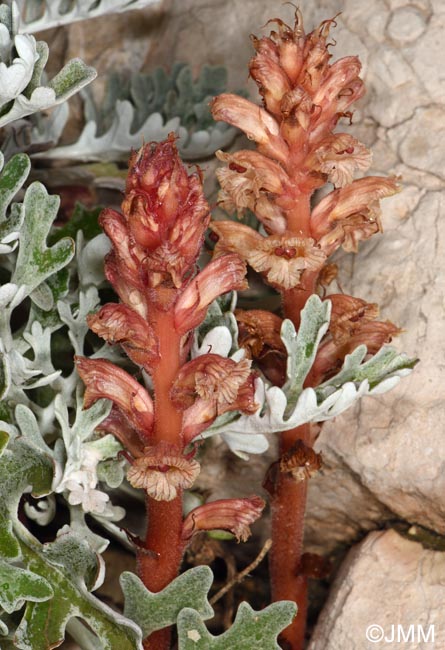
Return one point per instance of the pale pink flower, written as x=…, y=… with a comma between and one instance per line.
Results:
x=232, y=515
x=162, y=470
x=220, y=276
x=105, y=380
x=282, y=259
x=256, y=123
x=338, y=156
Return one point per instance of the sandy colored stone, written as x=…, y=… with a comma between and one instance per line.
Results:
x=385, y=581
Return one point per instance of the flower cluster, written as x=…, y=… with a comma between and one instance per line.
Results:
x=304, y=96
x=156, y=241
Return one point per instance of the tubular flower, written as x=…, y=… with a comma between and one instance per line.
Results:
x=232, y=515
x=351, y=213
x=209, y=386
x=281, y=259
x=118, y=425
x=256, y=123
x=162, y=470
x=104, y=379
x=252, y=181
x=118, y=323
x=338, y=156
x=220, y=276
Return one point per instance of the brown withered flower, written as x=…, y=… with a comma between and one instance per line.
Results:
x=301, y=461
x=348, y=334
x=348, y=315
x=259, y=335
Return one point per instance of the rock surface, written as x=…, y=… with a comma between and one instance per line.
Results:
x=389, y=593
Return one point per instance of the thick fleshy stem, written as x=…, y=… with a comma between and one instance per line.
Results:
x=159, y=563
x=288, y=505
x=288, y=497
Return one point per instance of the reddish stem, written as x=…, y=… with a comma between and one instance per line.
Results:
x=288, y=505
x=159, y=564
x=288, y=500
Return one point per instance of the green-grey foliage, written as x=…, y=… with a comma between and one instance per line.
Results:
x=284, y=408
x=155, y=611
x=35, y=261
x=23, y=60
x=148, y=107
x=251, y=630
x=45, y=14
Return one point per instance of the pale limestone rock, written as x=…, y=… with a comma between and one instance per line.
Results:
x=385, y=581
x=339, y=508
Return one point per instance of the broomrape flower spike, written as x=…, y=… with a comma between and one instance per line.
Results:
x=304, y=98
x=155, y=243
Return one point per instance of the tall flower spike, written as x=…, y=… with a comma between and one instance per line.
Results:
x=304, y=96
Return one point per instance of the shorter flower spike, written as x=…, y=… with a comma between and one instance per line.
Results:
x=157, y=239
x=105, y=380
x=232, y=515
x=220, y=276
x=162, y=470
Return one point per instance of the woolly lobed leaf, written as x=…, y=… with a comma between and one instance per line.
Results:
x=251, y=630
x=20, y=585
x=35, y=261
x=302, y=347
x=154, y=611
x=148, y=107
x=119, y=139
x=21, y=465
x=68, y=564
x=12, y=178
x=21, y=67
